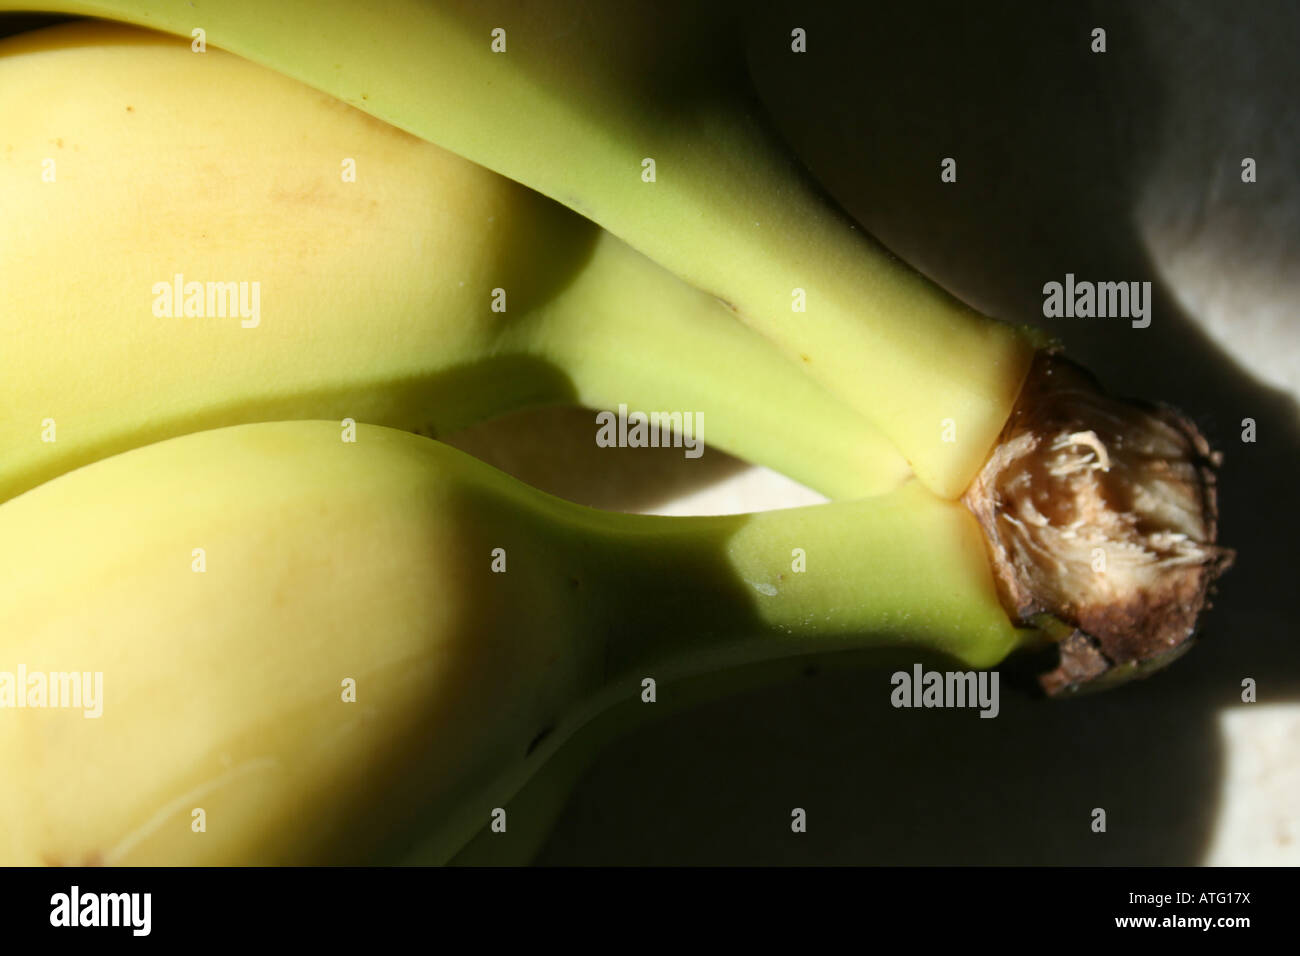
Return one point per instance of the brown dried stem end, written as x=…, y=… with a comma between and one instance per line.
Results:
x=1100, y=519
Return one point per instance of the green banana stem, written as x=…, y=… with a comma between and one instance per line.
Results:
x=578, y=99
x=680, y=596
x=626, y=332
x=906, y=567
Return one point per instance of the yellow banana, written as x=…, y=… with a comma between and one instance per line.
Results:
x=640, y=117
x=374, y=297
x=232, y=588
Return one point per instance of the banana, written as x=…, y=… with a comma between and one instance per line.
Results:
x=233, y=590
x=373, y=298
x=643, y=120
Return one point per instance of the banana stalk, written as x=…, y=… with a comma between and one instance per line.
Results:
x=580, y=101
x=374, y=297
x=232, y=587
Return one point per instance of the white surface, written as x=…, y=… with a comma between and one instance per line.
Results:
x=1259, y=815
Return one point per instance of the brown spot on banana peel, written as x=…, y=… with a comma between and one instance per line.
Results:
x=1100, y=518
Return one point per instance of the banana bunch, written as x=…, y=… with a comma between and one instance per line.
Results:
x=240, y=575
